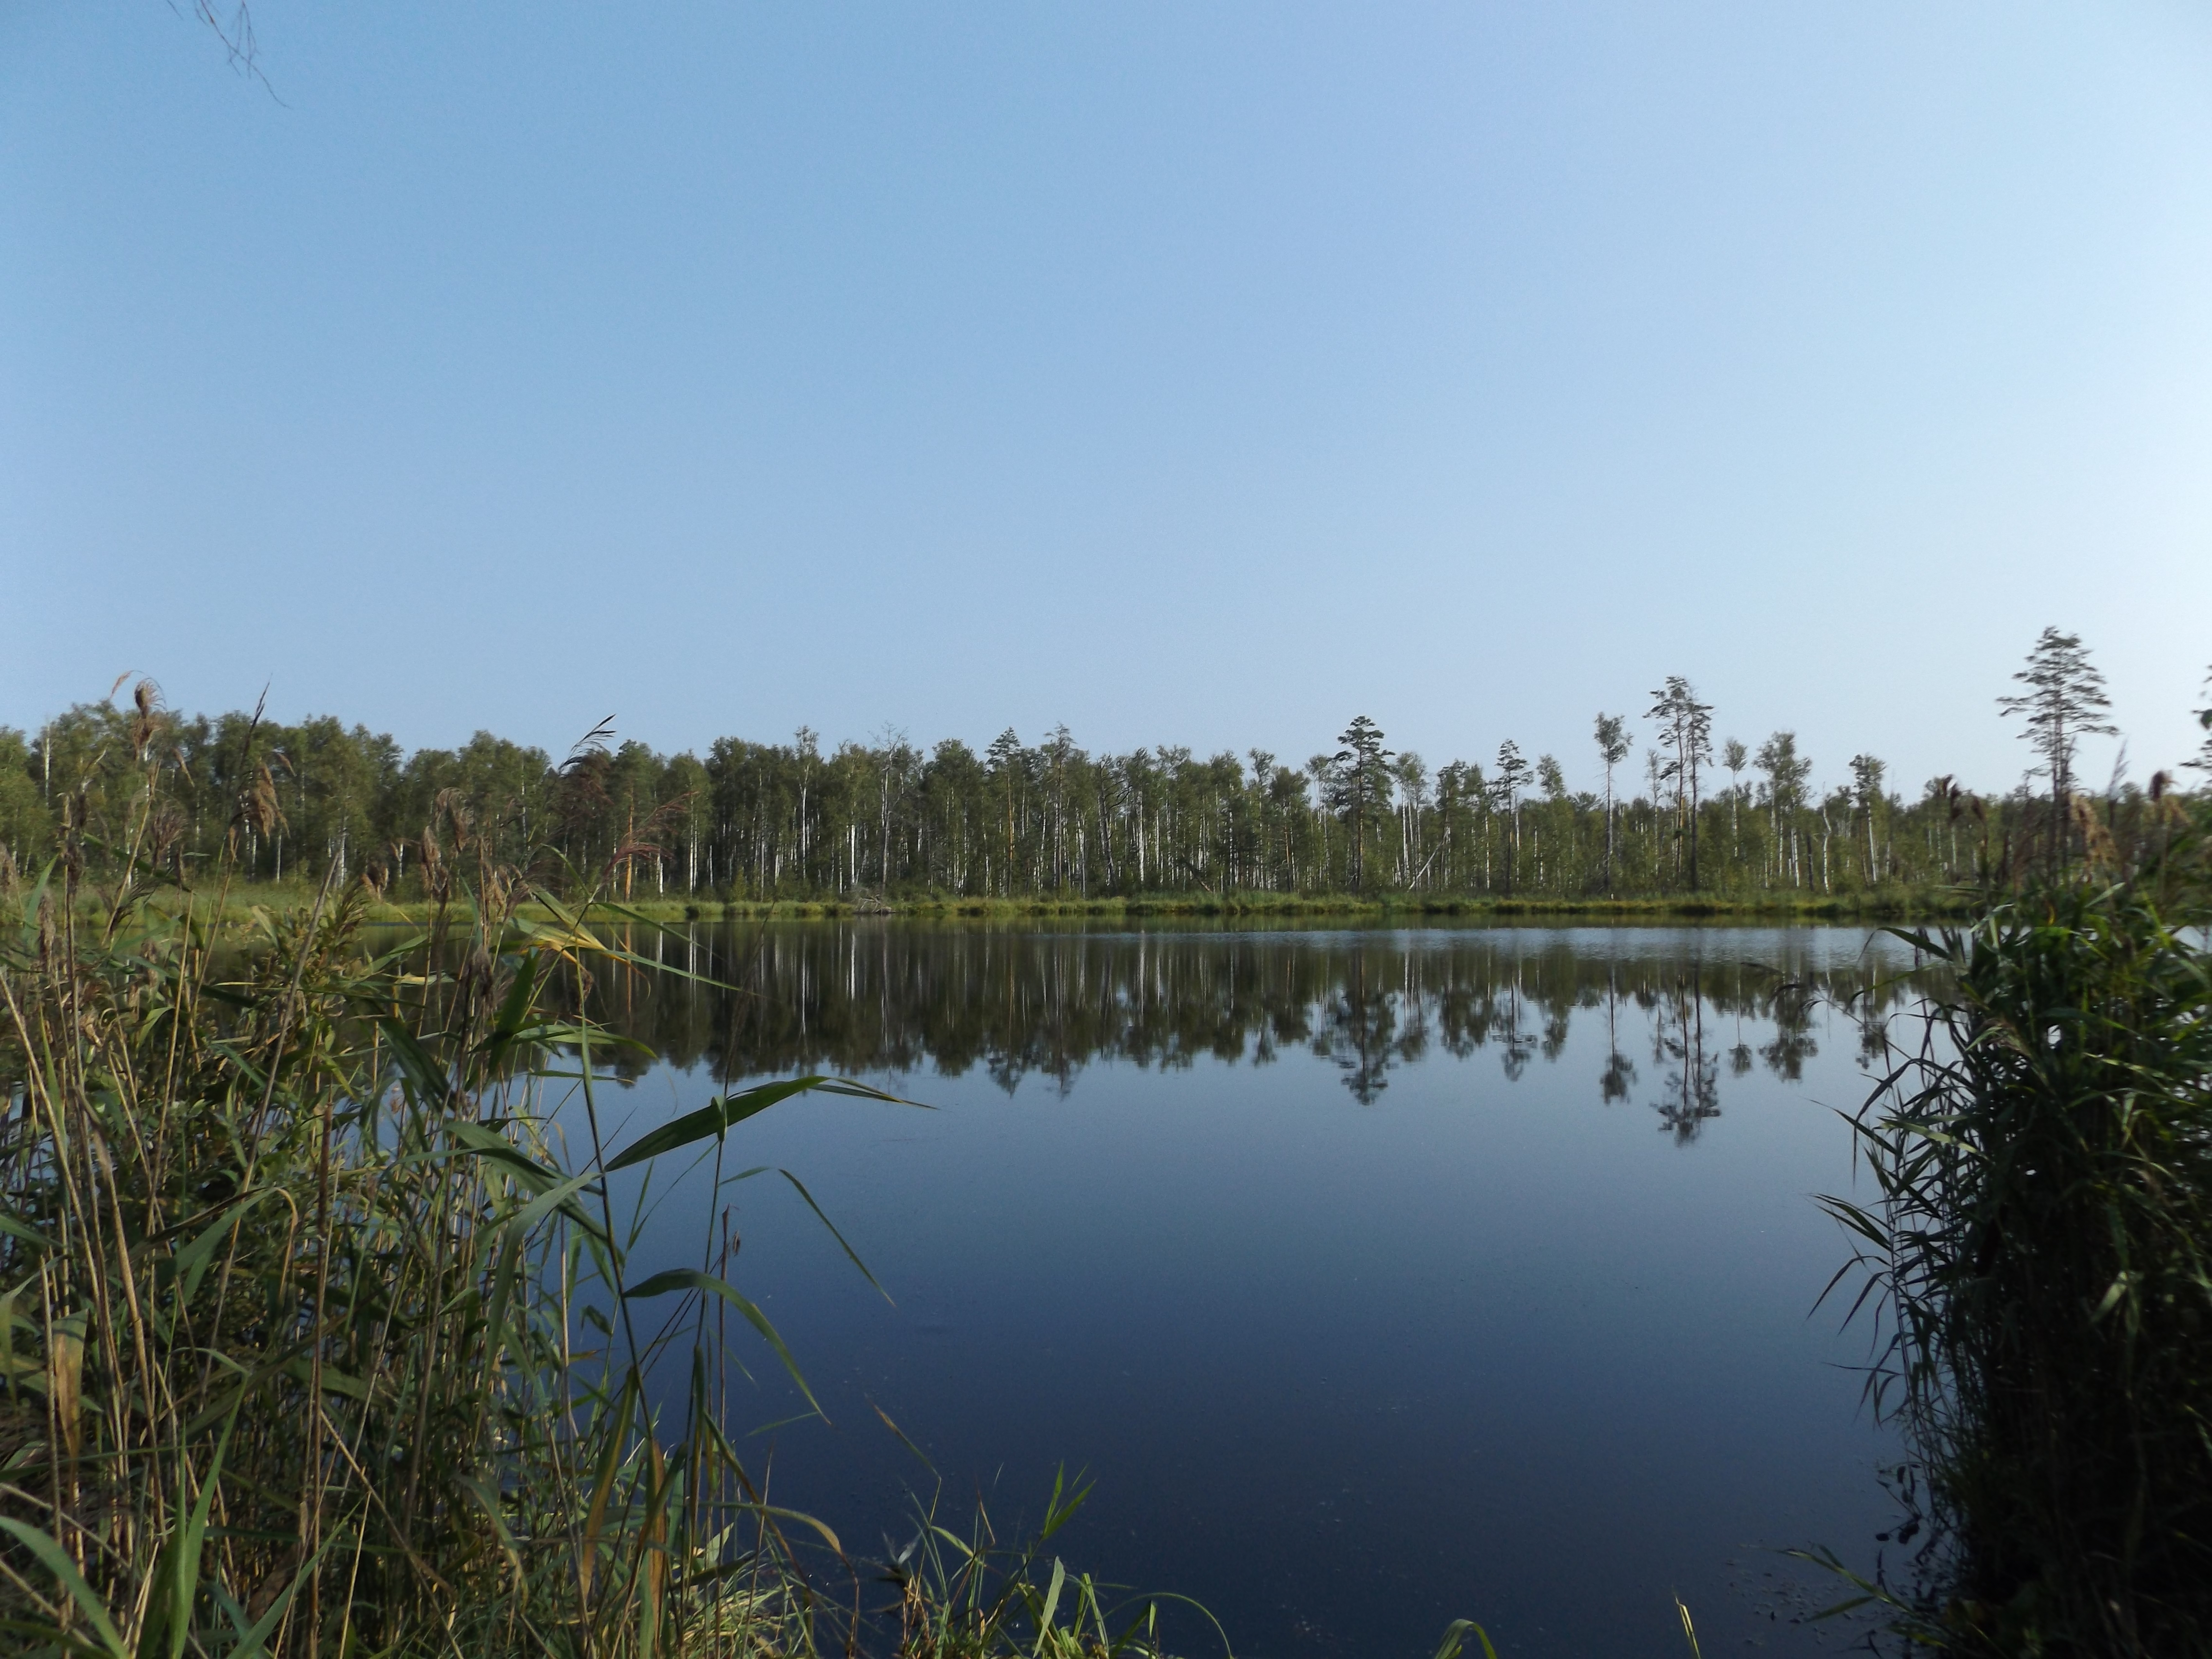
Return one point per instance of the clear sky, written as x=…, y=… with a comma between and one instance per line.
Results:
x=1188, y=373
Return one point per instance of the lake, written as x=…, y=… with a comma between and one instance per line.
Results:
x=1377, y=1277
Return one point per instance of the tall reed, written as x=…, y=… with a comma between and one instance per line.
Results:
x=2040, y=1258
x=317, y=1330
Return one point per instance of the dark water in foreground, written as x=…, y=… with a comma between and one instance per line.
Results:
x=1379, y=1278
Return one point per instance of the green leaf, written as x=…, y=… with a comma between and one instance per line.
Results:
x=901, y=1433
x=488, y=1501
x=426, y=1079
x=719, y=1115
x=850, y=1254
x=252, y=1644
x=804, y=1519
x=507, y=1023
x=489, y=1142
x=1066, y=1498
x=37, y=897
x=177, y=1572
x=561, y=1198
x=56, y=1561
x=2119, y=1289
x=690, y=1278
x=334, y=1380
x=1051, y=1605
x=1455, y=1636
x=16, y=1229
x=191, y=1262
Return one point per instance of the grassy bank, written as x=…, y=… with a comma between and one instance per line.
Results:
x=1897, y=905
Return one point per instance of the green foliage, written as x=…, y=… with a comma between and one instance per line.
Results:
x=755, y=822
x=317, y=1337
x=26, y=826
x=1360, y=784
x=1685, y=745
x=2064, y=702
x=2041, y=1258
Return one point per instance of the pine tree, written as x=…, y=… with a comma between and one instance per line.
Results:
x=1363, y=762
x=2064, y=702
x=1506, y=787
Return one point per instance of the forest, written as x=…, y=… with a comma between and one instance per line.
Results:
x=889, y=820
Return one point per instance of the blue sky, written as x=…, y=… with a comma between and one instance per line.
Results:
x=1199, y=374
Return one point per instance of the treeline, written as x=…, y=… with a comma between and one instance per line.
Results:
x=770, y=821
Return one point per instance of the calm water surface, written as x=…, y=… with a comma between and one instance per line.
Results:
x=1379, y=1278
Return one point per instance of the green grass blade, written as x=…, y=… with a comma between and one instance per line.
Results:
x=720, y=1114
x=691, y=1279
x=56, y=1561
x=851, y=1254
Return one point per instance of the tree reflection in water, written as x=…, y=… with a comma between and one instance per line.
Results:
x=877, y=997
x=1359, y=1031
x=1791, y=1011
x=1678, y=1034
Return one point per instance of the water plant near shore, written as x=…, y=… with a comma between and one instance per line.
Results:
x=2039, y=1258
x=318, y=1333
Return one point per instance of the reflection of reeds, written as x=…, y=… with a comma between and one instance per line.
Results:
x=2041, y=1258
x=317, y=1339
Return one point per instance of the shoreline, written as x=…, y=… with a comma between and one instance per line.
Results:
x=1903, y=905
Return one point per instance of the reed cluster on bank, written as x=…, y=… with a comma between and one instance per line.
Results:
x=319, y=1334
x=2039, y=1257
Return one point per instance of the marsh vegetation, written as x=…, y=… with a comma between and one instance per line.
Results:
x=320, y=1335
x=2037, y=1263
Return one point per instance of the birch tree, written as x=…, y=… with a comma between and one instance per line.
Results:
x=1736, y=757
x=1866, y=787
x=1612, y=748
x=1686, y=728
x=1786, y=774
